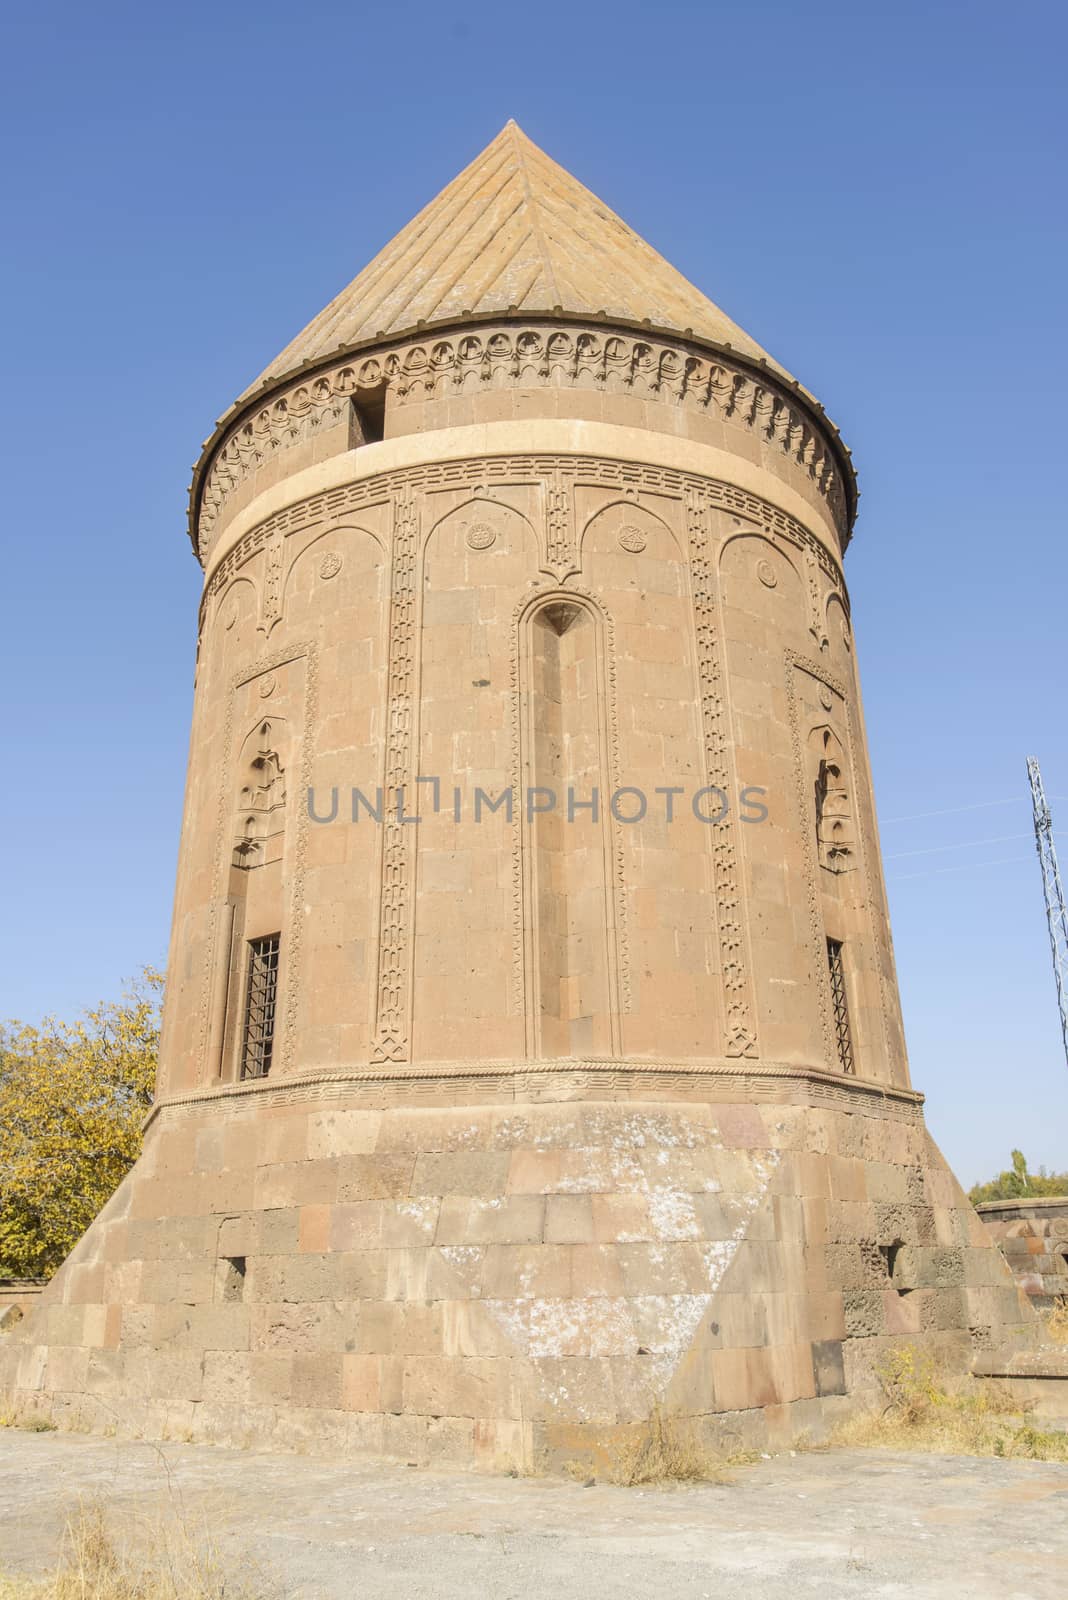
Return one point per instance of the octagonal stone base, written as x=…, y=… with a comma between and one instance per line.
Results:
x=513, y=1283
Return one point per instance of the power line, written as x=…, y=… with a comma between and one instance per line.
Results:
x=963, y=866
x=967, y=844
x=952, y=811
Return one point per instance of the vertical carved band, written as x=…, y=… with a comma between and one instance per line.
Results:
x=559, y=527
x=739, y=1016
x=391, y=1040
x=272, y=584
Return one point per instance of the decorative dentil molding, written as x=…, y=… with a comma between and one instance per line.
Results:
x=538, y=355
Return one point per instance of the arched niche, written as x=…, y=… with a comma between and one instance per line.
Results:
x=571, y=954
x=339, y=569
x=234, y=618
x=482, y=542
x=839, y=634
x=261, y=779
x=833, y=808
x=634, y=544
x=478, y=559
x=761, y=585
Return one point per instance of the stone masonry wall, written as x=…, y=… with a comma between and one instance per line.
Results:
x=509, y=1284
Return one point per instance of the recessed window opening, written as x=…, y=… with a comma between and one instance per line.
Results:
x=889, y=1253
x=233, y=1283
x=260, y=1006
x=369, y=406
x=840, y=1005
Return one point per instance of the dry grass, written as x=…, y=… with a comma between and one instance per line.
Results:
x=665, y=1451
x=179, y=1562
x=27, y=1421
x=1057, y=1321
x=972, y=1417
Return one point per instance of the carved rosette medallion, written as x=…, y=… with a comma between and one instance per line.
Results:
x=632, y=540
x=330, y=565
x=767, y=575
x=480, y=536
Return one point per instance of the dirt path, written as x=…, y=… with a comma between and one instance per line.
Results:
x=847, y=1524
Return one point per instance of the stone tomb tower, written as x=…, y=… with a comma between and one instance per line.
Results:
x=481, y=1136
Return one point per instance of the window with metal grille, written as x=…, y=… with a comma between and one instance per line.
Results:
x=260, y=1002
x=840, y=1005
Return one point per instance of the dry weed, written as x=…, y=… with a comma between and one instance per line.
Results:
x=179, y=1562
x=972, y=1417
x=27, y=1421
x=1057, y=1320
x=666, y=1450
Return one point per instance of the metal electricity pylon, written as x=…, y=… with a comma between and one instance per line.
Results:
x=1053, y=891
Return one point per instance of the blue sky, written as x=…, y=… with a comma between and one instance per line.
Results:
x=877, y=195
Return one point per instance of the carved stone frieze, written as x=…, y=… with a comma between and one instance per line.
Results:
x=674, y=373
x=560, y=473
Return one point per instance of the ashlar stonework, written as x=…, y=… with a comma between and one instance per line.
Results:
x=484, y=1135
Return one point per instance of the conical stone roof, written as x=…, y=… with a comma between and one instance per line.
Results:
x=514, y=232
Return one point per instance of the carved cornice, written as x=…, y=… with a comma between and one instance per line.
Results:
x=558, y=353
x=491, y=1083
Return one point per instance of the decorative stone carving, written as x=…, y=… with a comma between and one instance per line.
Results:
x=739, y=1017
x=632, y=539
x=559, y=527
x=391, y=1033
x=358, y=497
x=480, y=535
x=330, y=565
x=534, y=355
x=767, y=574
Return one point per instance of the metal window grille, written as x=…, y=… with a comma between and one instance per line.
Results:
x=840, y=1005
x=260, y=1003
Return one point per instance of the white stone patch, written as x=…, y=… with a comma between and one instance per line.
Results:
x=672, y=1214
x=462, y=1255
x=552, y=1329
x=424, y=1212
x=664, y=1325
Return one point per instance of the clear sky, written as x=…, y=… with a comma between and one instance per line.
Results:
x=875, y=193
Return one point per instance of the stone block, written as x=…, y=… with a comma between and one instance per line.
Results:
x=864, y=1313
x=514, y=1219
x=361, y=1384
x=526, y=1271
x=409, y=1222
x=375, y=1177
x=828, y=1366
x=227, y=1379
x=482, y=1173
x=316, y=1380
x=342, y=1132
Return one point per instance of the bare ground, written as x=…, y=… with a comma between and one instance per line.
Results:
x=845, y=1523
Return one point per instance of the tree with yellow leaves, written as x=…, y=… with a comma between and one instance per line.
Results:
x=73, y=1097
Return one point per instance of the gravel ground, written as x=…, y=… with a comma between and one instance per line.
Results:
x=848, y=1523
